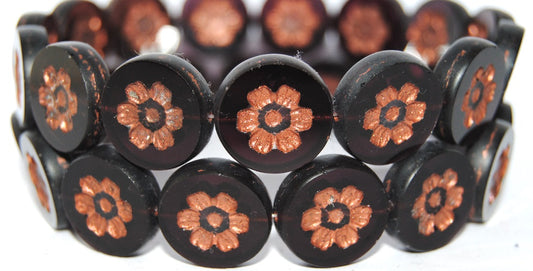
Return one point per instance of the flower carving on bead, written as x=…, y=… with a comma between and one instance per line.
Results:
x=428, y=33
x=38, y=183
x=142, y=22
x=105, y=210
x=394, y=115
x=336, y=217
x=274, y=119
x=434, y=207
x=213, y=221
x=479, y=95
x=60, y=102
x=150, y=116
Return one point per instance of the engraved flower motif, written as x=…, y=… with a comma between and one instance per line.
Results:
x=39, y=184
x=499, y=175
x=394, y=115
x=428, y=33
x=142, y=23
x=149, y=115
x=274, y=120
x=213, y=221
x=292, y=23
x=336, y=217
x=61, y=104
x=105, y=210
x=434, y=207
x=478, y=96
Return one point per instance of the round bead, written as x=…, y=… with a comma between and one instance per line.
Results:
x=65, y=85
x=29, y=40
x=110, y=203
x=331, y=211
x=45, y=171
x=489, y=151
x=486, y=23
x=432, y=194
x=273, y=113
x=387, y=105
x=156, y=111
x=215, y=213
x=472, y=73
x=509, y=41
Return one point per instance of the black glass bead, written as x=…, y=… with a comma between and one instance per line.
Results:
x=486, y=23
x=331, y=211
x=156, y=111
x=16, y=128
x=505, y=112
x=215, y=213
x=386, y=106
x=489, y=149
x=432, y=194
x=29, y=40
x=273, y=113
x=44, y=20
x=369, y=26
x=45, y=171
x=509, y=41
x=65, y=87
x=472, y=73
x=110, y=203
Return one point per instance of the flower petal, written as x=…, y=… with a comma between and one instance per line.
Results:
x=426, y=225
x=381, y=136
x=301, y=119
x=72, y=103
x=288, y=140
x=202, y=239
x=90, y=186
x=124, y=211
x=480, y=112
x=65, y=123
x=415, y=112
x=174, y=119
x=163, y=139
x=110, y=188
x=288, y=97
x=443, y=219
x=401, y=133
x=239, y=223
x=84, y=203
x=97, y=224
x=52, y=121
x=323, y=238
x=326, y=197
x=199, y=201
x=360, y=216
x=62, y=78
x=408, y=93
x=431, y=183
x=454, y=197
x=262, y=141
x=311, y=219
x=247, y=120
x=346, y=236
x=225, y=202
x=386, y=96
x=137, y=93
x=127, y=114
x=227, y=241
x=351, y=196
x=159, y=93
x=140, y=136
x=260, y=97
x=49, y=76
x=449, y=179
x=116, y=228
x=372, y=117
x=419, y=207
x=188, y=219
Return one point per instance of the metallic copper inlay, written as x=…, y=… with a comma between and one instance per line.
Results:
x=60, y=102
x=105, y=210
x=499, y=175
x=274, y=119
x=213, y=221
x=91, y=30
x=477, y=29
x=216, y=23
x=434, y=207
x=292, y=23
x=142, y=23
x=38, y=183
x=336, y=217
x=429, y=32
x=18, y=77
x=364, y=29
x=150, y=116
x=394, y=115
x=479, y=95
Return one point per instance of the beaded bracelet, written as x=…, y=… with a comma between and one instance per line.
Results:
x=93, y=132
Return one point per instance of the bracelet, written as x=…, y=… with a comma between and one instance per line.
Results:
x=100, y=113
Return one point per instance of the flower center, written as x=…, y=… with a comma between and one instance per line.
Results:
x=392, y=114
x=61, y=99
x=273, y=118
x=215, y=220
x=105, y=205
x=152, y=115
x=335, y=216
x=476, y=95
x=434, y=200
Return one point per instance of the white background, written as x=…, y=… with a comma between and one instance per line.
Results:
x=505, y=242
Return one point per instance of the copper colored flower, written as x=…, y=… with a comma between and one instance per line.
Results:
x=434, y=207
x=38, y=183
x=364, y=29
x=336, y=217
x=480, y=94
x=141, y=24
x=213, y=221
x=499, y=175
x=105, y=210
x=428, y=33
x=216, y=22
x=292, y=23
x=274, y=120
x=60, y=102
x=150, y=116
x=394, y=115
